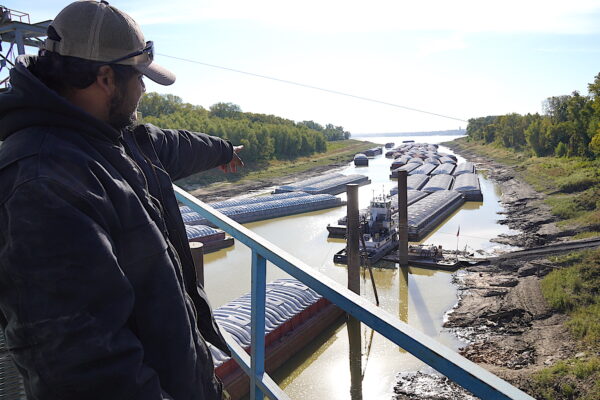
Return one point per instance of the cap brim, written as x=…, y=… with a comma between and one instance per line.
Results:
x=156, y=73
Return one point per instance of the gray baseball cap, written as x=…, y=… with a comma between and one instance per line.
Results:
x=96, y=31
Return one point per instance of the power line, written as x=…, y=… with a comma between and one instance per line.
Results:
x=312, y=87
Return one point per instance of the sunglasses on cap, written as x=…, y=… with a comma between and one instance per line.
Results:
x=148, y=50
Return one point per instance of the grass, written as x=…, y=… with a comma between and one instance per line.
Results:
x=563, y=207
x=574, y=289
x=586, y=235
x=338, y=153
x=569, y=379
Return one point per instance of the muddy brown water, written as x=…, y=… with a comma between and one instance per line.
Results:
x=420, y=297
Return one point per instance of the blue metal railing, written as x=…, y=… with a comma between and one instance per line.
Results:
x=462, y=371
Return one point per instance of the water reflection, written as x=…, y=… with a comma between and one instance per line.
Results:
x=218, y=255
x=403, y=294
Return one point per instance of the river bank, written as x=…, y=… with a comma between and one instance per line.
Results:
x=263, y=178
x=502, y=314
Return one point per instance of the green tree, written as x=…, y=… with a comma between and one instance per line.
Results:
x=225, y=110
x=511, y=130
x=154, y=104
x=556, y=108
x=312, y=125
x=536, y=136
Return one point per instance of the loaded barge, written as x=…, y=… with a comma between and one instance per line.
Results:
x=333, y=183
x=212, y=239
x=295, y=315
x=426, y=214
x=265, y=207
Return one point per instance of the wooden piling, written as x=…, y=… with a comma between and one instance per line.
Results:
x=402, y=220
x=352, y=239
x=197, y=249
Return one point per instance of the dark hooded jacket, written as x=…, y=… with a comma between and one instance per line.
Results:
x=98, y=295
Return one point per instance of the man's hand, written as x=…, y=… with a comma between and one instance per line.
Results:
x=235, y=162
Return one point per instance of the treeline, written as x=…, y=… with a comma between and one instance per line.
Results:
x=569, y=127
x=264, y=137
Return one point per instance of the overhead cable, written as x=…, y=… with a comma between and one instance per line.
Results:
x=313, y=87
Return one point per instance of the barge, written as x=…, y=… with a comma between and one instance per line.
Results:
x=444, y=169
x=413, y=182
x=294, y=316
x=464, y=168
x=334, y=183
x=269, y=208
x=438, y=182
x=424, y=169
x=468, y=185
x=429, y=212
x=213, y=239
x=408, y=168
x=373, y=152
x=361, y=160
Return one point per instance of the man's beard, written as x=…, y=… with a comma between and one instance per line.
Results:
x=119, y=117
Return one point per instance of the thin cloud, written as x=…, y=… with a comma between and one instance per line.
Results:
x=535, y=16
x=581, y=50
x=444, y=44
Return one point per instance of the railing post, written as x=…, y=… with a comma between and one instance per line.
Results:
x=259, y=287
x=352, y=250
x=402, y=220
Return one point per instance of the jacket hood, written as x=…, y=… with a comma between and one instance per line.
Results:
x=29, y=102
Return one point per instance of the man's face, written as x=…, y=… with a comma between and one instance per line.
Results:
x=124, y=104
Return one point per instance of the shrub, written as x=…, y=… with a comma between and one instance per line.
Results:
x=561, y=150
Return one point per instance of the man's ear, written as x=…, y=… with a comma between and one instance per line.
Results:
x=105, y=79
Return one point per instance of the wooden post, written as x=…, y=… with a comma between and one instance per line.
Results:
x=355, y=358
x=197, y=249
x=352, y=250
x=402, y=220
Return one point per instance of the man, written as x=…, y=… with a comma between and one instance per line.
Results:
x=98, y=296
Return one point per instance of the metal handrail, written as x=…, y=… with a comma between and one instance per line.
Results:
x=462, y=371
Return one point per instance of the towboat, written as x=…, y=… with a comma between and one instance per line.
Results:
x=379, y=232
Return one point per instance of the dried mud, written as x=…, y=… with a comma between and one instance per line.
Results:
x=501, y=313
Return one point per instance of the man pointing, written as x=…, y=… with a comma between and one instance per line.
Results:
x=98, y=296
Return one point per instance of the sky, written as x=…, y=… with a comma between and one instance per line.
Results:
x=461, y=59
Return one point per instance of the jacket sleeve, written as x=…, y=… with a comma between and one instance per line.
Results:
x=66, y=300
x=183, y=153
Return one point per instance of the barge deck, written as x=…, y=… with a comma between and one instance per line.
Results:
x=295, y=315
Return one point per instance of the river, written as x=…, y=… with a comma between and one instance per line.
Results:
x=420, y=297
